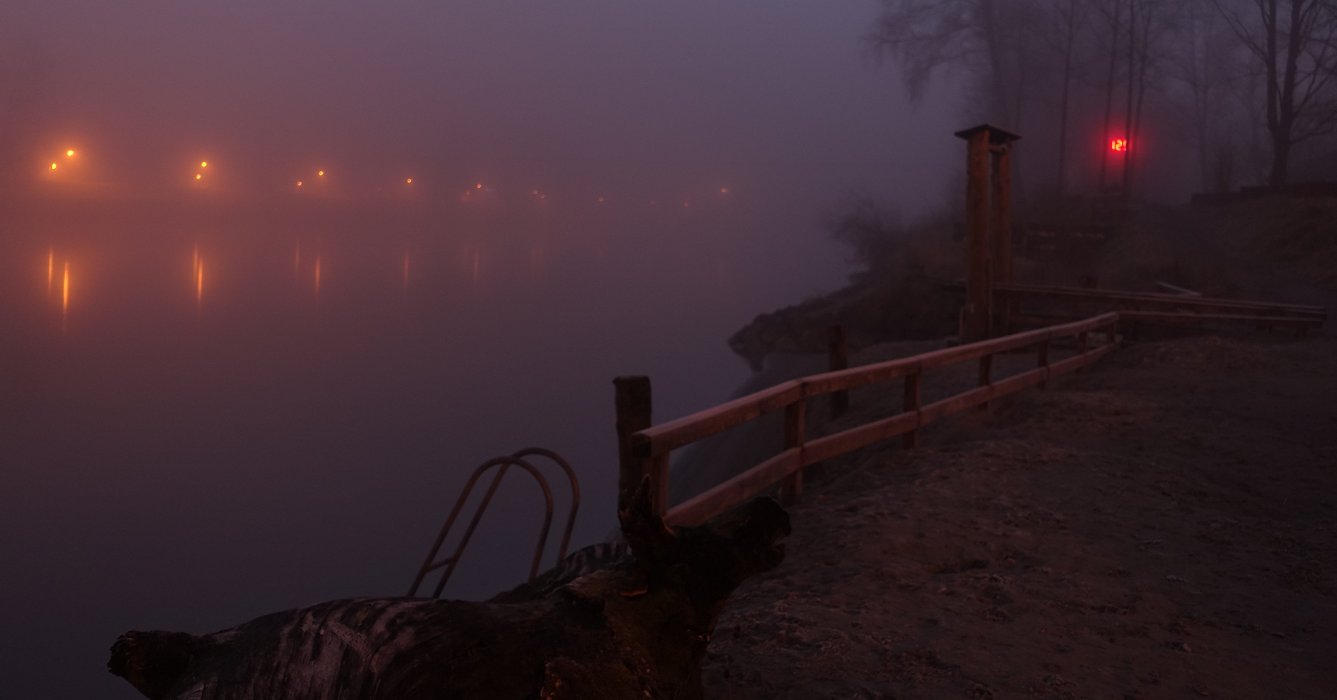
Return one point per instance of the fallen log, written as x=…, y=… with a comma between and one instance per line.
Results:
x=638, y=630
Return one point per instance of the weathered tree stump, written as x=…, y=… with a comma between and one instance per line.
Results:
x=638, y=630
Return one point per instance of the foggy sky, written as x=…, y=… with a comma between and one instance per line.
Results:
x=593, y=94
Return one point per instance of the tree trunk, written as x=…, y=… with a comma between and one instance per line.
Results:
x=998, y=78
x=1135, y=132
x=1109, y=90
x=1280, y=139
x=1284, y=137
x=1061, y=181
x=1128, y=112
x=638, y=630
x=1279, y=174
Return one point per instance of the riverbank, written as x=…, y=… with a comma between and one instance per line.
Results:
x=1160, y=526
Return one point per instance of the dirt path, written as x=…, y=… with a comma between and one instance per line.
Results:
x=1164, y=526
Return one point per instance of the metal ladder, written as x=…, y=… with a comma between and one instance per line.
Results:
x=502, y=465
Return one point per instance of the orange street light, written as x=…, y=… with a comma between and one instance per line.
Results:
x=54, y=166
x=204, y=164
x=299, y=183
x=69, y=153
x=320, y=173
x=199, y=176
x=408, y=181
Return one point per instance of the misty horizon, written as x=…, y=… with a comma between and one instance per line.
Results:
x=602, y=100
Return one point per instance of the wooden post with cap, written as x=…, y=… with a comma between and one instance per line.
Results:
x=988, y=229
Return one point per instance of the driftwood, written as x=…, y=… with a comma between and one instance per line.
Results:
x=638, y=630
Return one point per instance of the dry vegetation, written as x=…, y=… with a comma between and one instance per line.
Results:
x=1281, y=249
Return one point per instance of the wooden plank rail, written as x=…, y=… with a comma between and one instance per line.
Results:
x=1163, y=302
x=1171, y=317
x=1093, y=338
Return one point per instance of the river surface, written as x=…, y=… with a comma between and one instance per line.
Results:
x=210, y=414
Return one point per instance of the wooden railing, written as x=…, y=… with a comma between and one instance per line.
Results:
x=1174, y=308
x=646, y=452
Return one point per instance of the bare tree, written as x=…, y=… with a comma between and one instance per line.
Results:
x=1151, y=23
x=1070, y=16
x=1112, y=12
x=1293, y=44
x=1036, y=61
x=1203, y=67
x=989, y=38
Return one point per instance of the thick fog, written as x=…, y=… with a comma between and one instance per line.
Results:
x=224, y=394
x=657, y=100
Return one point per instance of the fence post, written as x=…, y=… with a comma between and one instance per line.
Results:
x=792, y=486
x=658, y=468
x=632, y=403
x=838, y=357
x=1042, y=360
x=986, y=376
x=911, y=403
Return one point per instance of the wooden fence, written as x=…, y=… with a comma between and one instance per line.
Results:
x=646, y=450
x=1179, y=309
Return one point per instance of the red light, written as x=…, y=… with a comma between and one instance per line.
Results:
x=1119, y=145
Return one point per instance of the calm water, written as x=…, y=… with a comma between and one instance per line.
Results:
x=210, y=415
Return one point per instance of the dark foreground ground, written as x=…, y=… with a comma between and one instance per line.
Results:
x=1163, y=526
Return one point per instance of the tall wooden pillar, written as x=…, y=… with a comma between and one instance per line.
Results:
x=975, y=317
x=1000, y=227
x=988, y=228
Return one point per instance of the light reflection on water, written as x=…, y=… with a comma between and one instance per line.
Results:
x=65, y=297
x=172, y=463
x=199, y=280
x=316, y=276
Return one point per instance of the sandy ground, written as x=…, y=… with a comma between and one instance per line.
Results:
x=1162, y=526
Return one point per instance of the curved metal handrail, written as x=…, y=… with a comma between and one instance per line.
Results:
x=575, y=492
x=503, y=464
